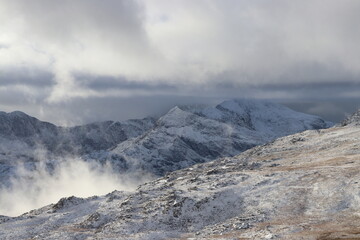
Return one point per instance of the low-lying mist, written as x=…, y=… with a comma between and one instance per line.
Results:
x=31, y=189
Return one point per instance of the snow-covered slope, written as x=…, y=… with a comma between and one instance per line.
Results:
x=186, y=136
x=303, y=186
x=26, y=141
x=270, y=119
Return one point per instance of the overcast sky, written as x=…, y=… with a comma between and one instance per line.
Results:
x=75, y=61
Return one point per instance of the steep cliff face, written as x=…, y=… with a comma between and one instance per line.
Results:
x=302, y=186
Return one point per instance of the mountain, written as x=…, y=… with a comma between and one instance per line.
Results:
x=189, y=135
x=184, y=136
x=104, y=135
x=27, y=141
x=302, y=186
x=19, y=126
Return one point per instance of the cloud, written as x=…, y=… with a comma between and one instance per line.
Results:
x=31, y=77
x=96, y=38
x=71, y=62
x=122, y=49
x=258, y=41
x=42, y=185
x=334, y=110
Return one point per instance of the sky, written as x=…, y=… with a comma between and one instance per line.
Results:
x=71, y=62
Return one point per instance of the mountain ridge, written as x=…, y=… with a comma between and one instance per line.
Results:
x=182, y=137
x=18, y=125
x=138, y=150
x=185, y=136
x=301, y=186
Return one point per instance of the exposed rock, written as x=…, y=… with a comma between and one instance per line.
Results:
x=282, y=190
x=189, y=135
x=67, y=202
x=353, y=119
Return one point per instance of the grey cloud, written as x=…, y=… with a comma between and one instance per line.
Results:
x=325, y=90
x=100, y=83
x=167, y=52
x=66, y=20
x=12, y=99
x=80, y=111
x=101, y=38
x=249, y=41
x=309, y=98
x=334, y=110
x=25, y=76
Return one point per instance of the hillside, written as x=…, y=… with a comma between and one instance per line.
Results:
x=303, y=186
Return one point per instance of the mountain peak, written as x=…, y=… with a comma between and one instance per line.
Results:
x=264, y=116
x=175, y=109
x=19, y=114
x=240, y=105
x=14, y=114
x=174, y=117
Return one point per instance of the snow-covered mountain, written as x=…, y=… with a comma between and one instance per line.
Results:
x=80, y=139
x=95, y=136
x=25, y=140
x=189, y=135
x=302, y=186
x=182, y=137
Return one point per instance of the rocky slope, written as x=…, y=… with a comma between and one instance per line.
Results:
x=303, y=186
x=189, y=135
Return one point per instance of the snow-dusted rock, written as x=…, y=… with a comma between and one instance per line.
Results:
x=186, y=136
x=303, y=186
x=353, y=119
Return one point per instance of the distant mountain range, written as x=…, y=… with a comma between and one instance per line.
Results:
x=189, y=135
x=184, y=136
x=18, y=126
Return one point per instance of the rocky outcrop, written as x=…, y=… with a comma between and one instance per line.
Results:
x=353, y=119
